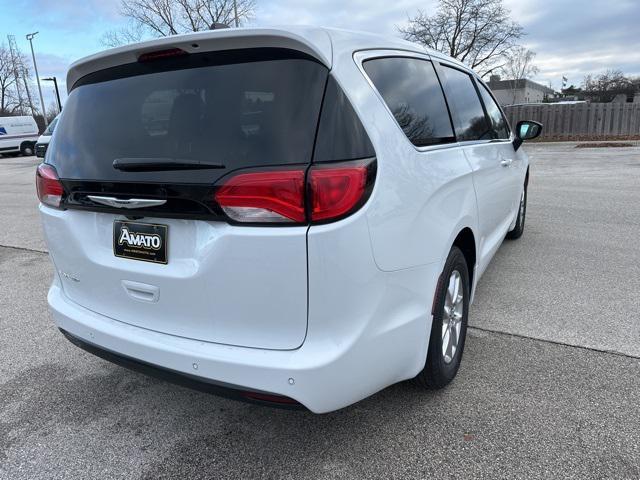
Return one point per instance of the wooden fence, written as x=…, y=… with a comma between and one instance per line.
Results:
x=581, y=121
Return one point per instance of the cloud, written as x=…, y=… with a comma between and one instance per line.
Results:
x=49, y=65
x=571, y=37
x=67, y=15
x=378, y=16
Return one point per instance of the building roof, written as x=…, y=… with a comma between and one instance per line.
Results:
x=518, y=84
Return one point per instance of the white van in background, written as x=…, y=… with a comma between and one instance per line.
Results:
x=18, y=135
x=45, y=138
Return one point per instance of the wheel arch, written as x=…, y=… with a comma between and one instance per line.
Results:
x=466, y=242
x=27, y=143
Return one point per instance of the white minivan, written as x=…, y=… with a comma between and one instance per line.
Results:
x=296, y=216
x=18, y=135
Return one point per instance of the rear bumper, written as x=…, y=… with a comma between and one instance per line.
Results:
x=322, y=375
x=190, y=381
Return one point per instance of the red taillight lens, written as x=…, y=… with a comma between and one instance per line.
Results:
x=332, y=191
x=335, y=191
x=276, y=196
x=50, y=189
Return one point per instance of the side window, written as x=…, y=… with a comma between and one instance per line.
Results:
x=410, y=88
x=468, y=115
x=498, y=122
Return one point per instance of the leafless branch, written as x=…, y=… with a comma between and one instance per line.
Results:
x=160, y=18
x=477, y=32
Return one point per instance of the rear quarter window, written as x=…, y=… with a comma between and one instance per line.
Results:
x=412, y=92
x=341, y=135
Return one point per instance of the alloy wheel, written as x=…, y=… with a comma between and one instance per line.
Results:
x=452, y=317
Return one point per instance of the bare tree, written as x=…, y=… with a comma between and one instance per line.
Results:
x=477, y=32
x=7, y=79
x=10, y=101
x=161, y=18
x=131, y=33
x=604, y=87
x=518, y=65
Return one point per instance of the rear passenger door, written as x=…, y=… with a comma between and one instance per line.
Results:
x=424, y=191
x=491, y=176
x=515, y=166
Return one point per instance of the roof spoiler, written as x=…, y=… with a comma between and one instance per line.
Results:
x=313, y=42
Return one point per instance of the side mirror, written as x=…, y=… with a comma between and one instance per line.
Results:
x=526, y=130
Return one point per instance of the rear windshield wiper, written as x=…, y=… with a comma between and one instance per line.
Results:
x=159, y=164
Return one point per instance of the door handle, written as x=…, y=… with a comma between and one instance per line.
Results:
x=506, y=162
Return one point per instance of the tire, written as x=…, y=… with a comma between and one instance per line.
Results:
x=444, y=355
x=26, y=149
x=518, y=230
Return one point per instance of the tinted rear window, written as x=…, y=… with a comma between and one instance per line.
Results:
x=229, y=108
x=411, y=90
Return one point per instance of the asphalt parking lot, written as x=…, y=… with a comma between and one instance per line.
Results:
x=549, y=386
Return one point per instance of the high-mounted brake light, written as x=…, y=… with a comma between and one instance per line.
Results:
x=48, y=185
x=159, y=54
x=331, y=191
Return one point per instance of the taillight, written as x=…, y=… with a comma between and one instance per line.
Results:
x=50, y=189
x=276, y=196
x=335, y=191
x=331, y=191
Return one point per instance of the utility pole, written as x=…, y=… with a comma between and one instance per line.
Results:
x=235, y=12
x=55, y=84
x=35, y=67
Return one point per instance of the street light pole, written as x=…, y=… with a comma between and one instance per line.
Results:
x=35, y=67
x=55, y=84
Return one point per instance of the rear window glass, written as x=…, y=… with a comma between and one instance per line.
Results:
x=411, y=90
x=468, y=115
x=239, y=113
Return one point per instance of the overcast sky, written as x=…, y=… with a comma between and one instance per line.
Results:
x=571, y=37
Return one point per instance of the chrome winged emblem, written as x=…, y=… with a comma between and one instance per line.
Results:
x=130, y=203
